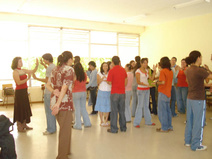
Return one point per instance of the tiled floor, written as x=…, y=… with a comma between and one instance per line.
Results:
x=96, y=143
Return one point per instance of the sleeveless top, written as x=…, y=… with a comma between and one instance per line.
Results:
x=22, y=76
x=103, y=86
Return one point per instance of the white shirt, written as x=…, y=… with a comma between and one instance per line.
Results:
x=103, y=86
x=143, y=78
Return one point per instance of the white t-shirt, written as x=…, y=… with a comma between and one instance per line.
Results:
x=103, y=86
x=143, y=78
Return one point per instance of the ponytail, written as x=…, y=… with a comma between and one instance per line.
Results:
x=64, y=57
x=192, y=58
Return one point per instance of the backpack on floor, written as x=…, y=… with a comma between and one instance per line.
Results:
x=7, y=142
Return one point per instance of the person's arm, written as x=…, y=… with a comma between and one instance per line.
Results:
x=126, y=81
x=32, y=71
x=42, y=63
x=152, y=76
x=137, y=75
x=17, y=79
x=99, y=79
x=91, y=79
x=45, y=80
x=209, y=77
x=207, y=68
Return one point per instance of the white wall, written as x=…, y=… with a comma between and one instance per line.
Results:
x=178, y=39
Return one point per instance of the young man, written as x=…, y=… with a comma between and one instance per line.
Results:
x=47, y=59
x=92, y=85
x=117, y=77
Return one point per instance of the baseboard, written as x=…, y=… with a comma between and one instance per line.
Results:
x=13, y=103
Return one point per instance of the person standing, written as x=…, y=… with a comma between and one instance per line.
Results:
x=60, y=86
x=143, y=91
x=92, y=85
x=182, y=88
x=79, y=97
x=22, y=110
x=117, y=77
x=128, y=92
x=50, y=119
x=103, y=97
x=164, y=94
x=196, y=104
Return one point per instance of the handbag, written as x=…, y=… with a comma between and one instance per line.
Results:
x=9, y=91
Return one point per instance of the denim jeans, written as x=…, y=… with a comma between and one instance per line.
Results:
x=195, y=122
x=134, y=100
x=79, y=99
x=117, y=106
x=154, y=105
x=143, y=103
x=164, y=112
x=182, y=93
x=173, y=101
x=93, y=96
x=127, y=105
x=50, y=119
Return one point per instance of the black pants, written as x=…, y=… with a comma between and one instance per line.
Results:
x=154, y=105
x=93, y=96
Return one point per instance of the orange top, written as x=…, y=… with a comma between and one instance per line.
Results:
x=167, y=76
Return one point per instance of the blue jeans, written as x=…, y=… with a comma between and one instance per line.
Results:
x=127, y=105
x=195, y=122
x=173, y=101
x=50, y=119
x=117, y=106
x=182, y=93
x=164, y=112
x=143, y=103
x=79, y=99
x=134, y=100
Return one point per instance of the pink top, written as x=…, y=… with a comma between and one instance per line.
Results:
x=80, y=86
x=130, y=77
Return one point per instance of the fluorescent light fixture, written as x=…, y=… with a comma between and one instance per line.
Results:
x=190, y=3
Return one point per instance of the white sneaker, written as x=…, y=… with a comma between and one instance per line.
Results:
x=201, y=148
x=47, y=133
x=187, y=145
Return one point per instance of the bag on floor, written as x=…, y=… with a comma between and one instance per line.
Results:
x=7, y=142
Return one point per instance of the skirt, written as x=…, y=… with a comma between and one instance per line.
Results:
x=22, y=109
x=103, y=101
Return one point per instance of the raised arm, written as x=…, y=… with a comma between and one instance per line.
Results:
x=34, y=70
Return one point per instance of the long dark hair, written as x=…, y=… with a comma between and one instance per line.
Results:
x=165, y=63
x=15, y=62
x=79, y=71
x=64, y=57
x=129, y=66
x=101, y=68
x=138, y=63
x=192, y=58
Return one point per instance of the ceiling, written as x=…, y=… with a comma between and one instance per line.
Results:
x=133, y=12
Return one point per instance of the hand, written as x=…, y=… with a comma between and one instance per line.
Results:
x=154, y=68
x=34, y=76
x=206, y=67
x=37, y=63
x=41, y=61
x=56, y=92
x=55, y=109
x=177, y=68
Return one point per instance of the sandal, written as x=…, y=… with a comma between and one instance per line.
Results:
x=106, y=124
x=102, y=124
x=160, y=130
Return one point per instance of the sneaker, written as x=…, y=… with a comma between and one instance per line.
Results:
x=47, y=133
x=201, y=148
x=137, y=126
x=187, y=145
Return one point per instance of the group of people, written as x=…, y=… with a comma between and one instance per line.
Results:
x=118, y=89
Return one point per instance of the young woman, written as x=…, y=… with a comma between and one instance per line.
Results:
x=22, y=110
x=79, y=97
x=128, y=92
x=196, y=104
x=103, y=97
x=60, y=85
x=164, y=94
x=182, y=88
x=143, y=91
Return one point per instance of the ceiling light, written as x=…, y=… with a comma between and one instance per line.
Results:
x=190, y=3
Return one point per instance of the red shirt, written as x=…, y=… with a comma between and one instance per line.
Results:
x=60, y=76
x=181, y=82
x=167, y=76
x=22, y=76
x=80, y=86
x=117, y=76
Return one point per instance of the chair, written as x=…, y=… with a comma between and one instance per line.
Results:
x=5, y=96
